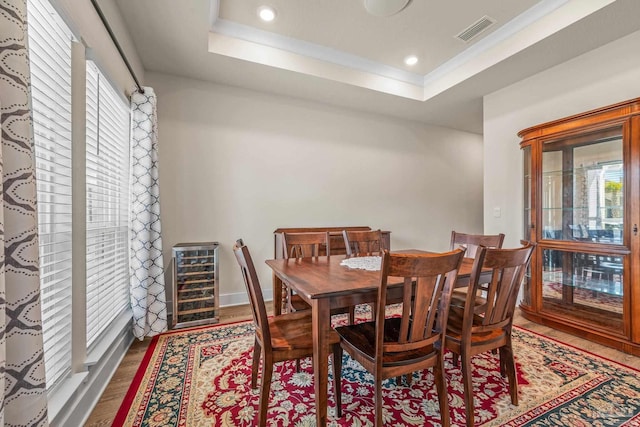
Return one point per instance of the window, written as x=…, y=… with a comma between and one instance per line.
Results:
x=50, y=56
x=106, y=176
x=107, y=203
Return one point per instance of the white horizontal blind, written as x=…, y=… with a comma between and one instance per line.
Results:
x=50, y=57
x=107, y=203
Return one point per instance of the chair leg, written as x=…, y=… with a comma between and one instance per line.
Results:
x=288, y=303
x=255, y=365
x=502, y=359
x=467, y=380
x=337, y=376
x=443, y=396
x=506, y=354
x=377, y=401
x=352, y=314
x=265, y=389
x=455, y=358
x=402, y=379
x=285, y=298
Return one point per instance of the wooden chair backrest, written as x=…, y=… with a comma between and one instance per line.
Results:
x=363, y=242
x=306, y=245
x=428, y=282
x=473, y=241
x=258, y=308
x=508, y=267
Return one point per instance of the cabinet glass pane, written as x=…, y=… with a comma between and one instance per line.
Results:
x=526, y=233
x=527, y=192
x=583, y=188
x=584, y=286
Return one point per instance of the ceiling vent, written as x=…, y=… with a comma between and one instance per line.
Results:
x=475, y=29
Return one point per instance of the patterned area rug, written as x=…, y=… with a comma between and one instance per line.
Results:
x=586, y=297
x=201, y=377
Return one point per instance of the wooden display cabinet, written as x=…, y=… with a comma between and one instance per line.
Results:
x=195, y=284
x=582, y=209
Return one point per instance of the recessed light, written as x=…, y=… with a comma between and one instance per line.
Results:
x=411, y=60
x=267, y=13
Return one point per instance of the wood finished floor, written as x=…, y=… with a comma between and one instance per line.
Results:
x=106, y=409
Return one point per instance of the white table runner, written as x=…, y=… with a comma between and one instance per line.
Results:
x=371, y=263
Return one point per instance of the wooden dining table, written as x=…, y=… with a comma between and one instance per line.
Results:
x=325, y=284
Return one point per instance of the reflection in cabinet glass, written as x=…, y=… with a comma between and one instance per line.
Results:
x=581, y=190
x=583, y=187
x=526, y=220
x=584, y=285
x=195, y=284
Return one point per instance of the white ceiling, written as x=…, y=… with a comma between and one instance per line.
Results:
x=334, y=52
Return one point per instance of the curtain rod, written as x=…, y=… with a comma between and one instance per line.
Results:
x=115, y=42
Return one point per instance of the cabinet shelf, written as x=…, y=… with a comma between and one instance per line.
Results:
x=190, y=300
x=582, y=208
x=195, y=293
x=196, y=265
x=194, y=282
x=199, y=257
x=197, y=310
x=194, y=273
x=597, y=286
x=576, y=171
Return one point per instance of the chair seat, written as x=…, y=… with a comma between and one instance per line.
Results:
x=291, y=331
x=362, y=336
x=298, y=303
x=454, y=326
x=459, y=298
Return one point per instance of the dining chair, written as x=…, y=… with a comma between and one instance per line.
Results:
x=473, y=241
x=302, y=245
x=279, y=338
x=308, y=245
x=484, y=322
x=363, y=242
x=396, y=346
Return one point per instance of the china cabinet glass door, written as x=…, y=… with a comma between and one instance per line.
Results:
x=582, y=220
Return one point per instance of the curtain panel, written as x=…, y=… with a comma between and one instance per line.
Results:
x=22, y=375
x=148, y=299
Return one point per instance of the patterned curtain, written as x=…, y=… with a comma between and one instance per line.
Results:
x=22, y=376
x=148, y=299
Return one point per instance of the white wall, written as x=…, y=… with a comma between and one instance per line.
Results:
x=598, y=78
x=237, y=163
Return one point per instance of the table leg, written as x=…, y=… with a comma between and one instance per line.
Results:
x=321, y=321
x=277, y=296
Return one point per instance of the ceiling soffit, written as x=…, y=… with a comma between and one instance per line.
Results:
x=248, y=43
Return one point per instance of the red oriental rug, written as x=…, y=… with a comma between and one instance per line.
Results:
x=201, y=377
